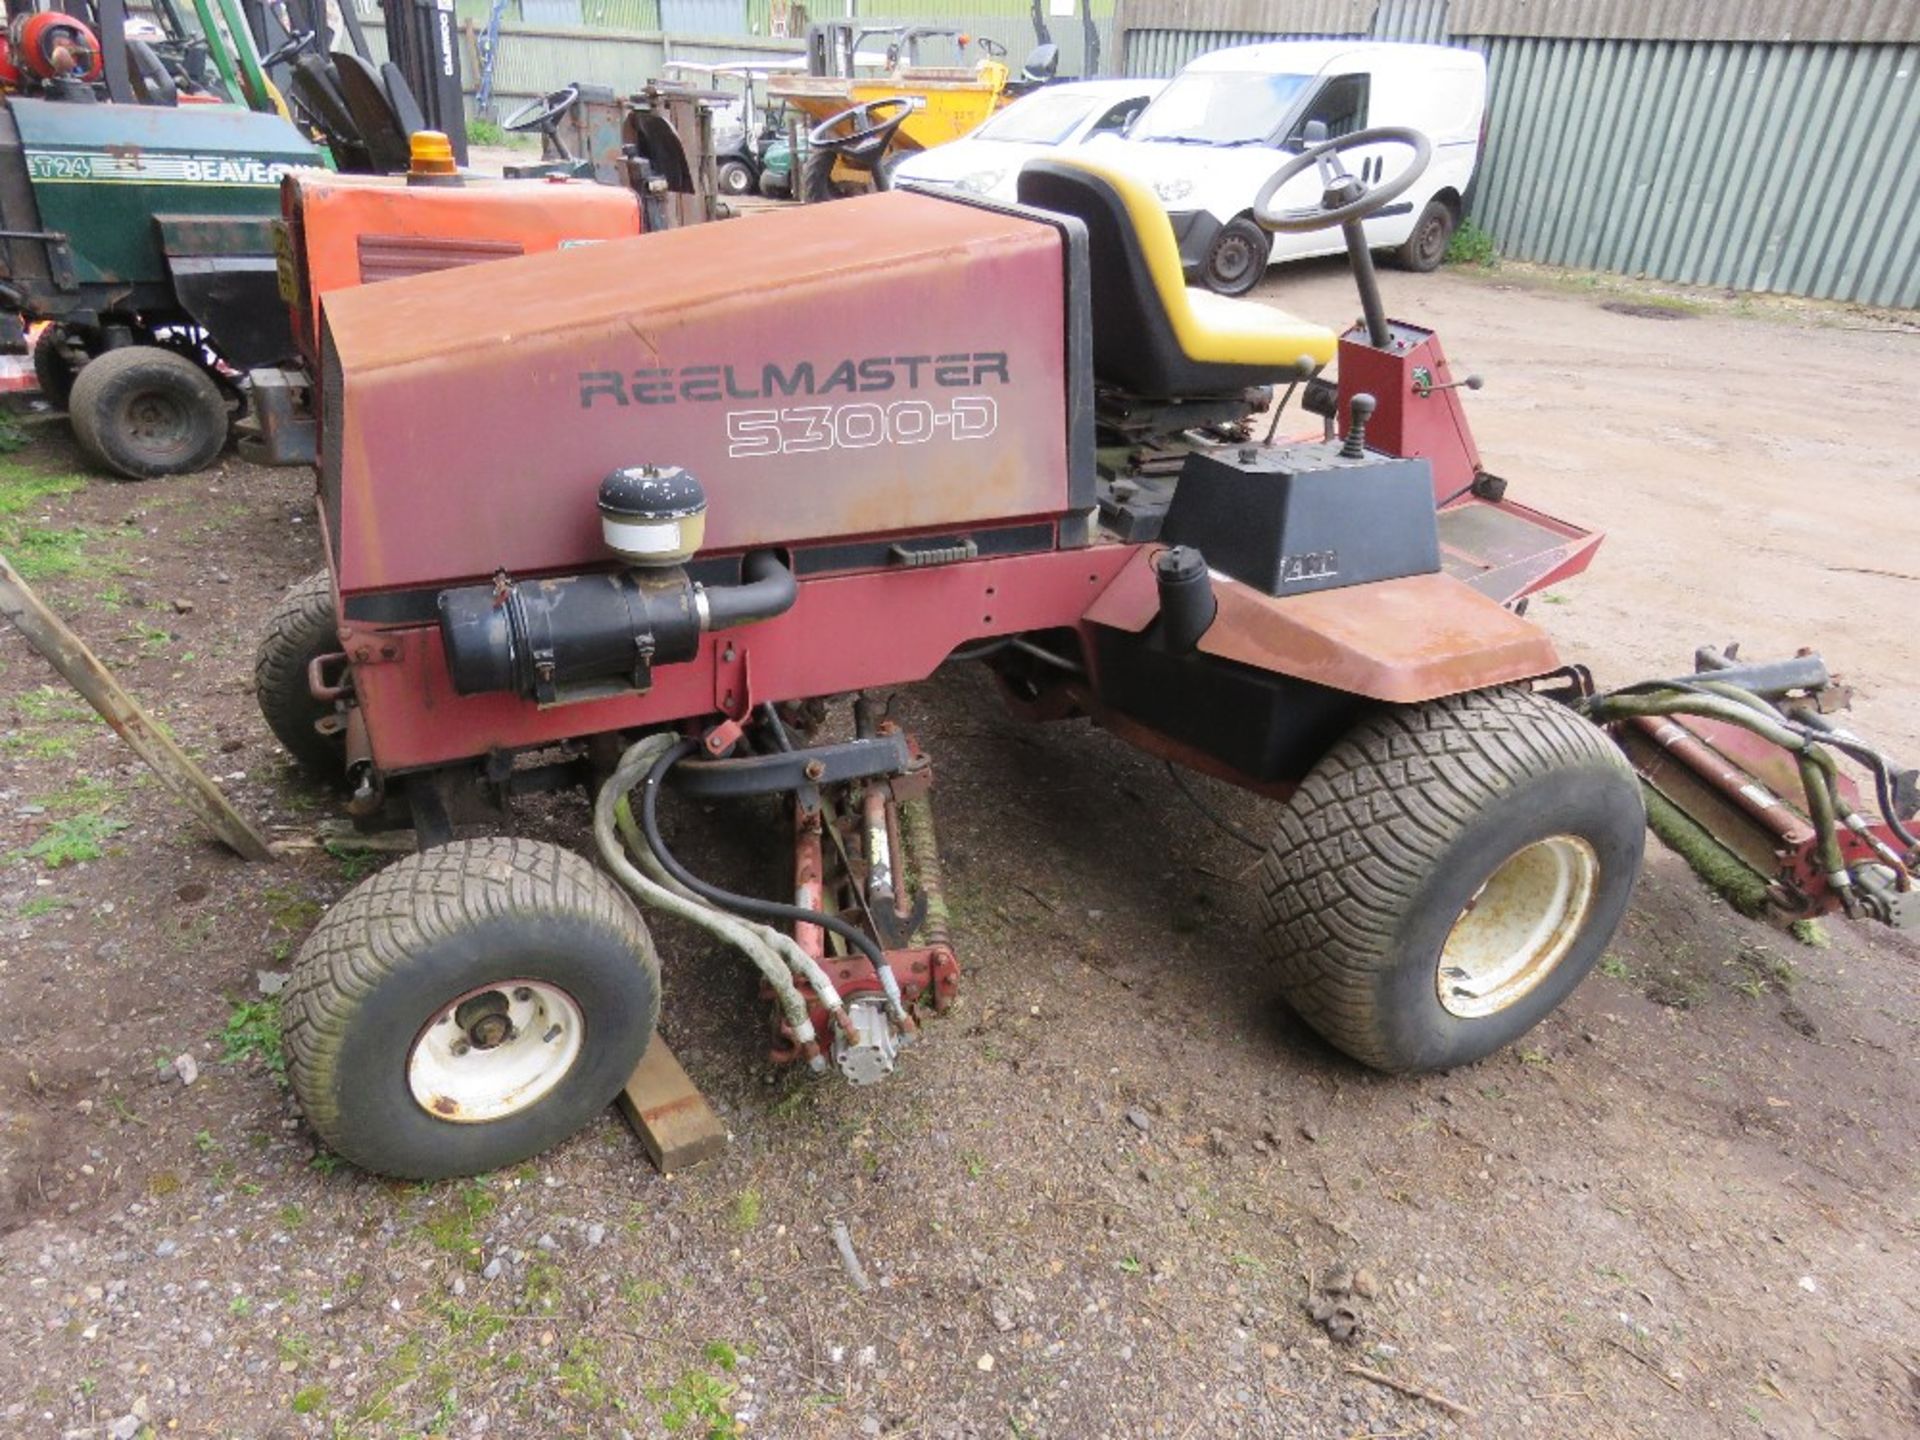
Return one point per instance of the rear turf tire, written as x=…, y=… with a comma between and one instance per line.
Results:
x=1432, y=850
x=143, y=412
x=299, y=630
x=410, y=948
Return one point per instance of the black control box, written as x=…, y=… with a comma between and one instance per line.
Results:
x=1288, y=519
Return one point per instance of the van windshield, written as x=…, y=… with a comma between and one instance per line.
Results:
x=1039, y=119
x=1219, y=107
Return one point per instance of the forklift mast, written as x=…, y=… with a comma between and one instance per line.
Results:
x=423, y=39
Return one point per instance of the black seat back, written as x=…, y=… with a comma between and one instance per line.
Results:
x=373, y=113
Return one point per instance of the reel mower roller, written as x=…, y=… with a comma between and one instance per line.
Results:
x=639, y=549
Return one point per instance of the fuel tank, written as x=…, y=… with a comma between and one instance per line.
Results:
x=892, y=365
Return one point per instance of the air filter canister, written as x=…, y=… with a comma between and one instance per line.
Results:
x=653, y=514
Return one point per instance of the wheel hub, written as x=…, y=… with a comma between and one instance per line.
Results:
x=494, y=1052
x=1518, y=926
x=1231, y=260
x=158, y=420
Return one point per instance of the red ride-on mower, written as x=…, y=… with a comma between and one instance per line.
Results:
x=642, y=541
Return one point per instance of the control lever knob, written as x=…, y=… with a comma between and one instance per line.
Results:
x=1360, y=410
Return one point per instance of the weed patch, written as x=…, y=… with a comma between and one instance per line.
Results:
x=252, y=1032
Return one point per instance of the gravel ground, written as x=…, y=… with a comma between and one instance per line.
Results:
x=1120, y=1191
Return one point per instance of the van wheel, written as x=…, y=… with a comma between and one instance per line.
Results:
x=735, y=177
x=1237, y=259
x=1426, y=247
x=1448, y=873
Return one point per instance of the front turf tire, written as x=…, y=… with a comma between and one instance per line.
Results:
x=1428, y=831
x=299, y=630
x=466, y=924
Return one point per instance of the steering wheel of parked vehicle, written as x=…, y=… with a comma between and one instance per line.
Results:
x=865, y=134
x=538, y=114
x=1326, y=156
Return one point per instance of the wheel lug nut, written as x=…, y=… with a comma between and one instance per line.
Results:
x=523, y=994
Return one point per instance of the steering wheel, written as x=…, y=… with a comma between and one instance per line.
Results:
x=995, y=50
x=287, y=49
x=1346, y=198
x=541, y=113
x=868, y=133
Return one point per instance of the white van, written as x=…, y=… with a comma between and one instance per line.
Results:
x=1231, y=118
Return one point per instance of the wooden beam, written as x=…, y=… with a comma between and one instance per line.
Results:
x=65, y=651
x=667, y=1111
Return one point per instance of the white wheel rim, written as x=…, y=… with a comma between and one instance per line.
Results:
x=495, y=1051
x=1518, y=926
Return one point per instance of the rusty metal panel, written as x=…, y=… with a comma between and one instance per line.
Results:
x=1876, y=22
x=1399, y=641
x=482, y=407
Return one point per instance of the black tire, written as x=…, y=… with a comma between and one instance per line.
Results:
x=299, y=629
x=776, y=187
x=1426, y=247
x=884, y=172
x=1403, y=828
x=51, y=369
x=1236, y=261
x=143, y=412
x=817, y=182
x=734, y=177
x=408, y=942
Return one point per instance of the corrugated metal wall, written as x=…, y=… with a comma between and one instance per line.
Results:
x=1010, y=22
x=1162, y=52
x=1163, y=49
x=1788, y=166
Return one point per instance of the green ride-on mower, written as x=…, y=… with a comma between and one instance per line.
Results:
x=139, y=189
x=646, y=545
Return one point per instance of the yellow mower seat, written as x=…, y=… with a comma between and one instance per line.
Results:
x=1152, y=335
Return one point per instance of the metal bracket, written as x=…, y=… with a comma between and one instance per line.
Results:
x=794, y=770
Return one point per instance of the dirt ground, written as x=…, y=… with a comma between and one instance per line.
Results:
x=1093, y=1200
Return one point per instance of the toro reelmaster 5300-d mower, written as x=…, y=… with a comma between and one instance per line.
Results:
x=641, y=540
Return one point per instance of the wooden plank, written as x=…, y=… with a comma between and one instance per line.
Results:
x=669, y=1114
x=65, y=651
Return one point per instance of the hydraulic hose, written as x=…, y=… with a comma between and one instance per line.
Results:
x=1749, y=713
x=749, y=905
x=741, y=935
x=1849, y=745
x=798, y=960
